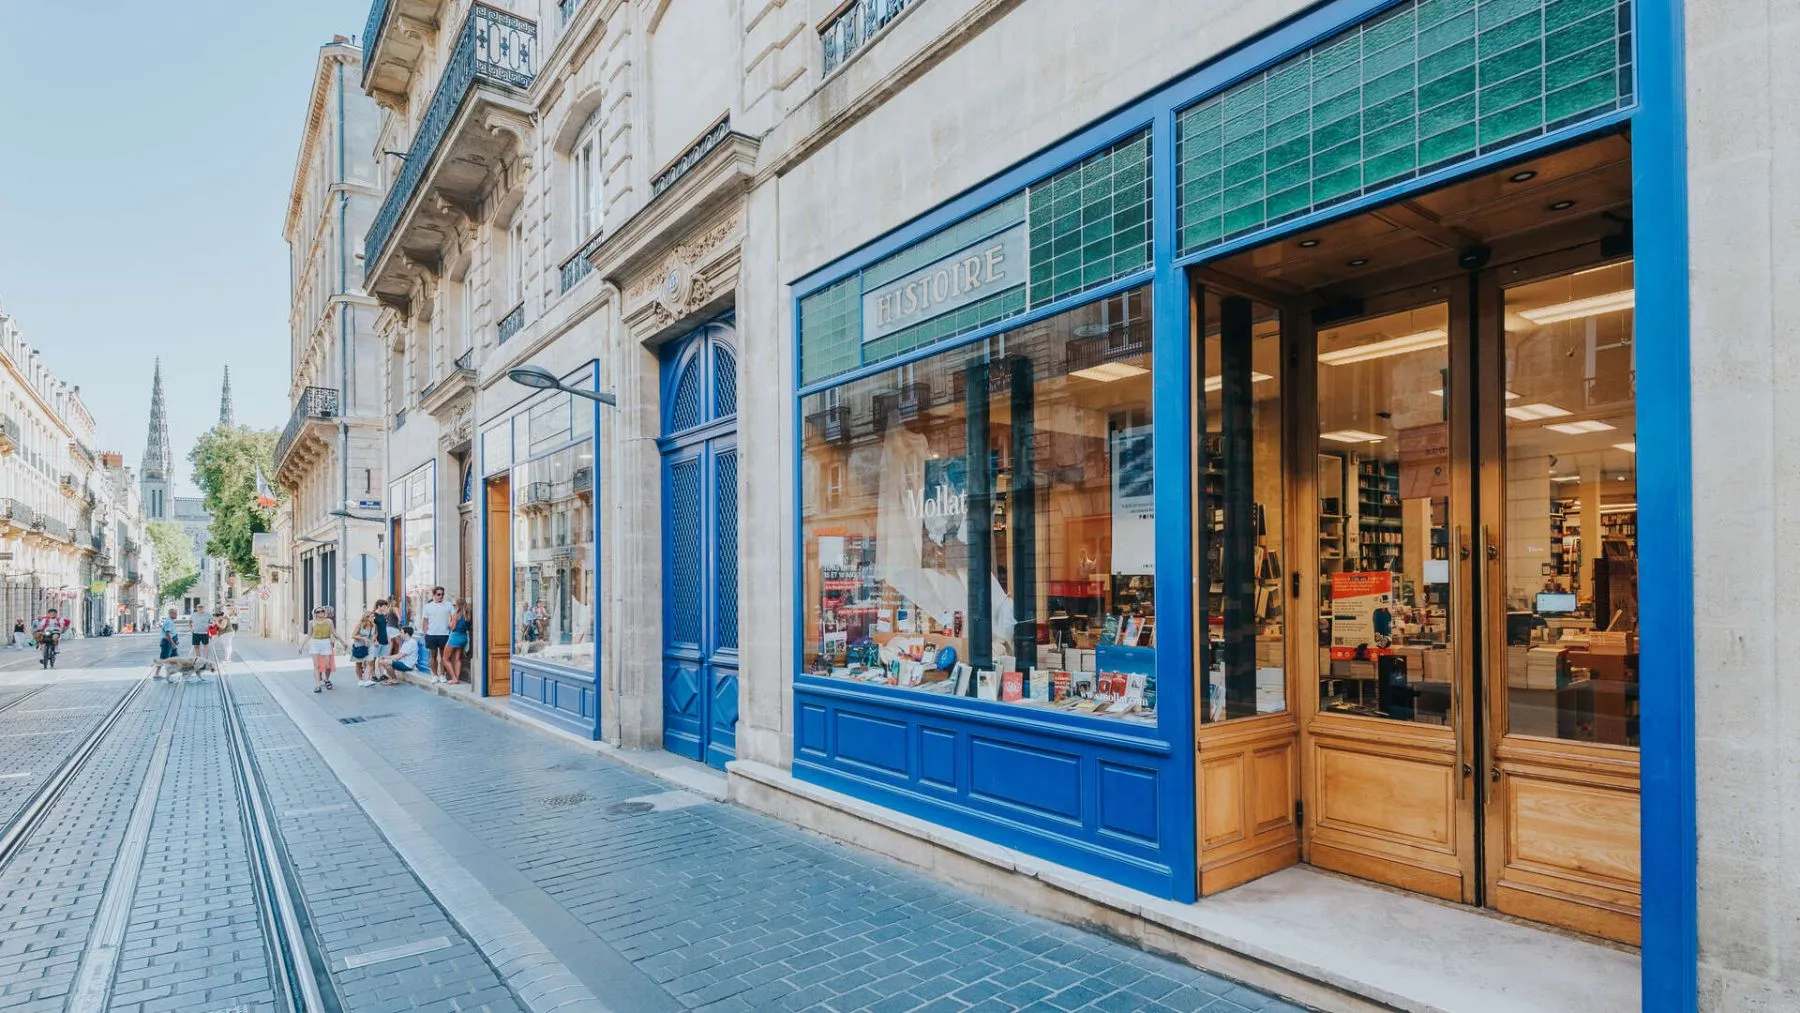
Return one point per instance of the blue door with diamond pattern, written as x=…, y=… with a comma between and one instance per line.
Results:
x=700, y=545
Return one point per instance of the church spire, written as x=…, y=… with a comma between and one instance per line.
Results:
x=156, y=446
x=227, y=417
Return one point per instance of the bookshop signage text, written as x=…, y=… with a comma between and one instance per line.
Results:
x=969, y=275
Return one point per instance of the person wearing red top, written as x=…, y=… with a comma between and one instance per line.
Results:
x=49, y=629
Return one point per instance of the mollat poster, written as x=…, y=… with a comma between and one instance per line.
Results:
x=1362, y=605
x=1133, y=502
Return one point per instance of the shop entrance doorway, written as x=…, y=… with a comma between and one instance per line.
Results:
x=1439, y=666
x=700, y=606
x=497, y=610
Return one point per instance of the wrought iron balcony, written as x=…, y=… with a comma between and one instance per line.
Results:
x=394, y=44
x=84, y=452
x=70, y=485
x=51, y=526
x=9, y=434
x=715, y=135
x=854, y=25
x=316, y=405
x=17, y=512
x=511, y=323
x=565, y=10
x=493, y=48
x=467, y=359
x=578, y=266
x=132, y=577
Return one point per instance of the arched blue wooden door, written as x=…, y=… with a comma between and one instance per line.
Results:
x=700, y=545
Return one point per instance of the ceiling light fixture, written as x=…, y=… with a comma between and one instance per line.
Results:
x=1423, y=340
x=1523, y=176
x=1534, y=412
x=1351, y=436
x=1307, y=244
x=1107, y=372
x=1580, y=428
x=1629, y=448
x=1218, y=382
x=1562, y=205
x=1439, y=392
x=1565, y=478
x=1359, y=262
x=1577, y=309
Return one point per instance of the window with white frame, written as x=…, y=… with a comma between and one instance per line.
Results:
x=515, y=263
x=586, y=199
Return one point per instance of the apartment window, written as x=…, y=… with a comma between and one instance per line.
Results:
x=586, y=199
x=515, y=264
x=466, y=316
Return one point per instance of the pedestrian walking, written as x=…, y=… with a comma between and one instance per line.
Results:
x=20, y=639
x=169, y=646
x=200, y=634
x=362, y=648
x=226, y=633
x=321, y=644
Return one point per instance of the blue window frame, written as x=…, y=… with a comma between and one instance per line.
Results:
x=900, y=736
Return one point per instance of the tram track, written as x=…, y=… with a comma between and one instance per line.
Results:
x=42, y=800
x=21, y=698
x=298, y=964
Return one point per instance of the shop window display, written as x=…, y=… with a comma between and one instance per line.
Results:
x=1383, y=517
x=1571, y=490
x=414, y=499
x=1240, y=500
x=553, y=557
x=980, y=523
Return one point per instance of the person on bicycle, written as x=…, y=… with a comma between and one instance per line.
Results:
x=49, y=629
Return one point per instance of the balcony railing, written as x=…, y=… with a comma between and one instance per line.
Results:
x=579, y=266
x=52, y=527
x=17, y=512
x=84, y=452
x=315, y=403
x=494, y=47
x=9, y=434
x=378, y=12
x=714, y=136
x=853, y=27
x=132, y=576
x=565, y=9
x=512, y=322
x=69, y=485
x=467, y=359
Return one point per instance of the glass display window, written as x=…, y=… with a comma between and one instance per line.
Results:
x=980, y=523
x=553, y=558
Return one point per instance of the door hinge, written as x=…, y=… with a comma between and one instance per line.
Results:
x=1299, y=814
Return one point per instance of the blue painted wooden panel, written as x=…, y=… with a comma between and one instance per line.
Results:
x=563, y=697
x=1026, y=774
x=1098, y=801
x=1127, y=798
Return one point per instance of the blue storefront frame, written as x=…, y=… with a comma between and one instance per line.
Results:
x=895, y=723
x=567, y=698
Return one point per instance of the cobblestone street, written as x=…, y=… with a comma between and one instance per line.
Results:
x=200, y=847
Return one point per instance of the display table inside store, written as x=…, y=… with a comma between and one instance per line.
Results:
x=1598, y=699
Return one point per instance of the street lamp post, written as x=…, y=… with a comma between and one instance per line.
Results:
x=539, y=378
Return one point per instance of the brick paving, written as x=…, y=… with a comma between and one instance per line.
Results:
x=728, y=910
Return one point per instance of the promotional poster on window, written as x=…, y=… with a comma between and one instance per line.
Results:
x=1362, y=614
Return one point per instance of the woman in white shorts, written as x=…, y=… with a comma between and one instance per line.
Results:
x=321, y=644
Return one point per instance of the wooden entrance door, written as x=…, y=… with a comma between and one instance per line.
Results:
x=1559, y=574
x=497, y=613
x=1388, y=778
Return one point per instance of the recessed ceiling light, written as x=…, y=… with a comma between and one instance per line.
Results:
x=1534, y=412
x=1435, y=338
x=1562, y=205
x=1351, y=436
x=1581, y=427
x=1576, y=309
x=1523, y=175
x=1107, y=372
x=1307, y=244
x=1565, y=478
x=1359, y=262
x=1439, y=392
x=1629, y=448
x=1218, y=382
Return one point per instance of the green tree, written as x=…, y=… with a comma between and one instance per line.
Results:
x=225, y=461
x=174, y=557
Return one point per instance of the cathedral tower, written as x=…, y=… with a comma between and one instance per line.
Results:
x=156, y=473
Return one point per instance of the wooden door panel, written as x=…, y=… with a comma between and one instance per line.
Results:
x=1246, y=786
x=497, y=616
x=1392, y=797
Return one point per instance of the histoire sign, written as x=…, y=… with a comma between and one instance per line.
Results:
x=987, y=268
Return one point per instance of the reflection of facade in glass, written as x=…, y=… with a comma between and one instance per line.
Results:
x=1025, y=459
x=415, y=506
x=553, y=560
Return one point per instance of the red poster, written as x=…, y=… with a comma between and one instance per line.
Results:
x=1362, y=605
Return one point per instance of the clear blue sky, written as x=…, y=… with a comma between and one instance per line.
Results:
x=146, y=151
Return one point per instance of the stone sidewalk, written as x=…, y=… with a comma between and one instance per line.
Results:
x=712, y=907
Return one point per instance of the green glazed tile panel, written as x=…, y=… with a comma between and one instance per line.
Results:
x=1087, y=225
x=1090, y=223
x=1425, y=85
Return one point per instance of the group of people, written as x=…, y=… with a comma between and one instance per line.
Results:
x=384, y=647
x=209, y=637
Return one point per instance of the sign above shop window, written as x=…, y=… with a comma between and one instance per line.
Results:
x=984, y=269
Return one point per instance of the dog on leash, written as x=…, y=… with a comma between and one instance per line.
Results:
x=190, y=668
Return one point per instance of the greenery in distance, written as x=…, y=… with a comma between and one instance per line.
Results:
x=225, y=461
x=175, y=562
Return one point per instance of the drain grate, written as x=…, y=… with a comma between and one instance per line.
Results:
x=630, y=808
x=566, y=801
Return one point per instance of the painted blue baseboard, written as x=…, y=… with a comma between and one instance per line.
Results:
x=1102, y=807
x=563, y=697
